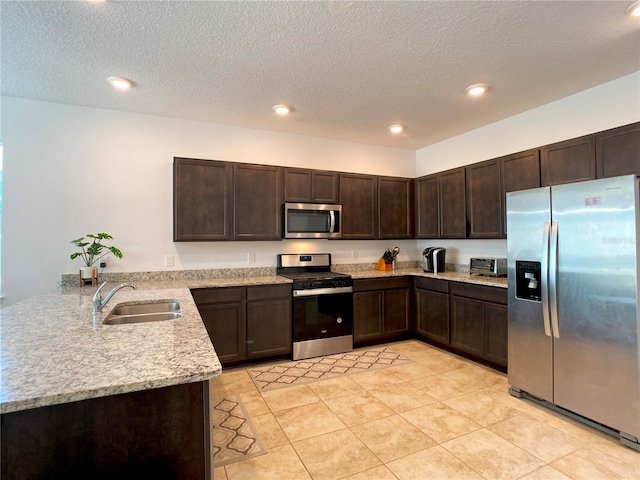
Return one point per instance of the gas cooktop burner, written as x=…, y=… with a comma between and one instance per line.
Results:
x=314, y=275
x=311, y=271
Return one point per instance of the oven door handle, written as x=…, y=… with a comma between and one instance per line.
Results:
x=321, y=291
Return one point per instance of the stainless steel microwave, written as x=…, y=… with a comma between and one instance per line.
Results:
x=312, y=220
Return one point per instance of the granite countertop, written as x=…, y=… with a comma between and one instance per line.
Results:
x=417, y=272
x=53, y=350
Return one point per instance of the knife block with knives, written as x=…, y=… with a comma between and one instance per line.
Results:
x=386, y=261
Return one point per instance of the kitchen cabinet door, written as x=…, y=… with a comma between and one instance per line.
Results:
x=358, y=195
x=226, y=326
x=395, y=207
x=569, y=161
x=202, y=207
x=268, y=328
x=257, y=197
x=297, y=185
x=520, y=171
x=484, y=199
x=427, y=208
x=367, y=315
x=269, y=325
x=432, y=315
x=467, y=325
x=325, y=187
x=453, y=212
x=618, y=151
x=396, y=311
x=495, y=335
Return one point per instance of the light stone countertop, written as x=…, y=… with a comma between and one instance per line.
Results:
x=417, y=272
x=53, y=350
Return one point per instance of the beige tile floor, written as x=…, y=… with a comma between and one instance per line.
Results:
x=441, y=417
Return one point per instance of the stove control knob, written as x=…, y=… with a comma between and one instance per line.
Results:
x=339, y=319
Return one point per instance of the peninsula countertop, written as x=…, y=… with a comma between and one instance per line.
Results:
x=53, y=350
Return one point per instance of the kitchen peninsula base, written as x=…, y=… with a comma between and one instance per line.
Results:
x=162, y=433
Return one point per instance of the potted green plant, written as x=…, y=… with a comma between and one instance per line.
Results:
x=93, y=250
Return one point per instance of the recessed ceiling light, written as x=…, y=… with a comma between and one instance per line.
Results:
x=634, y=9
x=477, y=89
x=120, y=83
x=396, y=129
x=282, y=110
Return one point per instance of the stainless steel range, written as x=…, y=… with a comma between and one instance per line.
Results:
x=322, y=305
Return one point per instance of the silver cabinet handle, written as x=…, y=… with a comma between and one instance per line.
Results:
x=544, y=277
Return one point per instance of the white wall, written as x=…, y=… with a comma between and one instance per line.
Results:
x=69, y=171
x=606, y=106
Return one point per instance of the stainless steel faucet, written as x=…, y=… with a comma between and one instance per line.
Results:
x=98, y=303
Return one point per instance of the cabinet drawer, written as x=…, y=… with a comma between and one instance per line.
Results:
x=487, y=294
x=432, y=284
x=264, y=292
x=216, y=295
x=381, y=284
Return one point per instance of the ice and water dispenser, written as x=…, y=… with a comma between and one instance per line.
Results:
x=528, y=281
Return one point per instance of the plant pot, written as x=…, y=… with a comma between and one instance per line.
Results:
x=88, y=272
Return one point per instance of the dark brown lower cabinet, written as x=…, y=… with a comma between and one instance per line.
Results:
x=247, y=323
x=479, y=322
x=161, y=433
x=268, y=321
x=381, y=309
x=432, y=309
x=464, y=318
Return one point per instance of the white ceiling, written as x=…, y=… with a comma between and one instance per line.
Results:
x=348, y=68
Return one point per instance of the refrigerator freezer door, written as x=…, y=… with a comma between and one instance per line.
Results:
x=596, y=369
x=529, y=348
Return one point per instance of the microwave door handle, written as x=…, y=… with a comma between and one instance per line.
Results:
x=332, y=221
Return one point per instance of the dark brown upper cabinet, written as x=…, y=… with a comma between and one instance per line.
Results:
x=395, y=207
x=484, y=199
x=297, y=185
x=520, y=171
x=311, y=186
x=453, y=211
x=202, y=205
x=618, y=151
x=325, y=187
x=440, y=205
x=569, y=161
x=359, y=199
x=257, y=193
x=427, y=210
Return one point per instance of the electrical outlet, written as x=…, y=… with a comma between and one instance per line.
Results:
x=168, y=260
x=251, y=257
x=103, y=264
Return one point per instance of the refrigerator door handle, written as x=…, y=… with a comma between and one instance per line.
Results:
x=544, y=277
x=553, y=273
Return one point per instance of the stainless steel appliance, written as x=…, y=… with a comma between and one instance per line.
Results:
x=491, y=267
x=322, y=305
x=573, y=301
x=433, y=259
x=311, y=220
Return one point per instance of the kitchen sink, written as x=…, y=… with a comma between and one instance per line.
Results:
x=136, y=312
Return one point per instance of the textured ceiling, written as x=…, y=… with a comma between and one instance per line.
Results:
x=349, y=69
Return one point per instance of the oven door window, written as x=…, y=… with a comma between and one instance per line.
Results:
x=322, y=316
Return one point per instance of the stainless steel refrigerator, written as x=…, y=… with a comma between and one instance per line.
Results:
x=573, y=300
